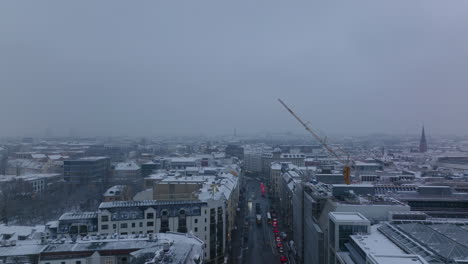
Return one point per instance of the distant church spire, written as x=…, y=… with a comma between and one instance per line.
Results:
x=423, y=142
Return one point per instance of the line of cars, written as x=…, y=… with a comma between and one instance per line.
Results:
x=280, y=237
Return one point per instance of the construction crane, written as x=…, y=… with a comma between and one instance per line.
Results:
x=347, y=163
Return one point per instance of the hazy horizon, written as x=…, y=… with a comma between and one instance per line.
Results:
x=208, y=67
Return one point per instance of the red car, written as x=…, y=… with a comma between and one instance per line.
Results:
x=283, y=259
x=275, y=224
x=279, y=245
x=276, y=231
x=278, y=239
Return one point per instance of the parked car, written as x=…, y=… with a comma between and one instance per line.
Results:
x=283, y=259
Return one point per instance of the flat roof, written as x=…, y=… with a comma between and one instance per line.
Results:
x=376, y=243
x=144, y=203
x=348, y=216
x=401, y=259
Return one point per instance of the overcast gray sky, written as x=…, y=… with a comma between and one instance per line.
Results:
x=162, y=67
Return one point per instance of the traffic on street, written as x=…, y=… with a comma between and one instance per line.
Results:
x=260, y=236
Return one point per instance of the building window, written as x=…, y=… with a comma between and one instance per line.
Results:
x=114, y=226
x=133, y=224
x=104, y=218
x=141, y=224
x=164, y=225
x=149, y=216
x=104, y=227
x=196, y=229
x=196, y=220
x=123, y=225
x=78, y=262
x=109, y=261
x=149, y=223
x=182, y=228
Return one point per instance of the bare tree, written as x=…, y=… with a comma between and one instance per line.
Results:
x=12, y=194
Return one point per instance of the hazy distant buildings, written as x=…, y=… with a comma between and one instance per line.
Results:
x=183, y=163
x=457, y=164
x=127, y=173
x=277, y=156
x=253, y=162
x=234, y=151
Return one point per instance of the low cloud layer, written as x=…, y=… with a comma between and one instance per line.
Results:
x=184, y=67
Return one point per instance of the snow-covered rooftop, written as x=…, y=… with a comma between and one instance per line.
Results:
x=183, y=159
x=376, y=243
x=93, y=158
x=144, y=203
x=348, y=217
x=78, y=216
x=38, y=156
x=127, y=166
x=115, y=190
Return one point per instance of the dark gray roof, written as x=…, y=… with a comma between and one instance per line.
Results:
x=77, y=216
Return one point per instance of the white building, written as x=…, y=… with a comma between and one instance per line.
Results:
x=341, y=226
x=206, y=220
x=39, y=182
x=127, y=172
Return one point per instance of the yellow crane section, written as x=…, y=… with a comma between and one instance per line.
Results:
x=346, y=162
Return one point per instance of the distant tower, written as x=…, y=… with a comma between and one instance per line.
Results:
x=423, y=143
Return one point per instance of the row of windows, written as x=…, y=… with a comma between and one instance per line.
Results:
x=124, y=225
x=134, y=215
x=105, y=218
x=63, y=262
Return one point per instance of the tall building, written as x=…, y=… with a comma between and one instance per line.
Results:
x=423, y=143
x=88, y=170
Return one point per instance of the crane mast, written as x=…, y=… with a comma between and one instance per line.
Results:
x=346, y=168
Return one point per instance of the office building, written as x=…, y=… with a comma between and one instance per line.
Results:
x=88, y=170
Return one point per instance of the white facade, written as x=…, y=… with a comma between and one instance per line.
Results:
x=206, y=220
x=341, y=226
